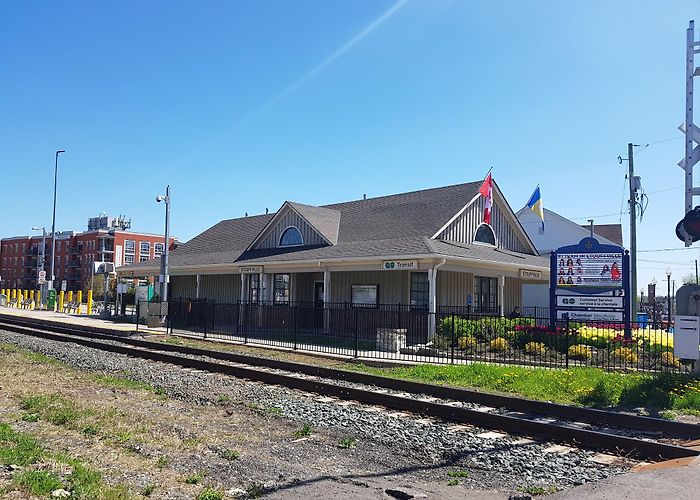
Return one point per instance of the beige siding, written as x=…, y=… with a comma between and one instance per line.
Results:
x=183, y=287
x=224, y=288
x=464, y=227
x=512, y=294
x=393, y=285
x=453, y=288
x=290, y=218
x=304, y=286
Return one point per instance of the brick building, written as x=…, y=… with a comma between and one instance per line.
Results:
x=106, y=240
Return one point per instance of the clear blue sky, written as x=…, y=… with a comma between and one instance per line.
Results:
x=242, y=105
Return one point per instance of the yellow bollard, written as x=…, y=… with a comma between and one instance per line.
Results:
x=37, y=304
x=25, y=294
x=14, y=294
x=70, y=296
x=80, y=300
x=89, y=303
x=31, y=299
x=61, y=296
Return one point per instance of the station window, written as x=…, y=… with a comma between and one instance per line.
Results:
x=291, y=237
x=254, y=288
x=364, y=295
x=158, y=249
x=420, y=290
x=486, y=294
x=144, y=250
x=130, y=246
x=129, y=258
x=484, y=234
x=281, y=289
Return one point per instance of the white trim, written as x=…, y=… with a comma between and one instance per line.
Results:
x=456, y=216
x=275, y=218
x=279, y=243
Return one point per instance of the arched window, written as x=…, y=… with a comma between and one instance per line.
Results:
x=484, y=234
x=291, y=237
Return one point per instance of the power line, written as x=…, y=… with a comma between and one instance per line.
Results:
x=668, y=249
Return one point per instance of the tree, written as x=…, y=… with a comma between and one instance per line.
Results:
x=689, y=279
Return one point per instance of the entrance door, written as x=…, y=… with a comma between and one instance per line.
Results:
x=318, y=304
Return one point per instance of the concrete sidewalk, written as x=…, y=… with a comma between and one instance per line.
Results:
x=672, y=480
x=79, y=319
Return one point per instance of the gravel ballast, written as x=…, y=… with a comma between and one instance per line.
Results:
x=495, y=462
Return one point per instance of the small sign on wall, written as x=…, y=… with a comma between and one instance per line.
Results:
x=528, y=274
x=250, y=269
x=399, y=265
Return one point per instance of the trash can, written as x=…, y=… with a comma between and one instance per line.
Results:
x=3, y=300
x=51, y=300
x=642, y=320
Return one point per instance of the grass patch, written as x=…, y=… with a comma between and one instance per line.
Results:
x=5, y=347
x=162, y=462
x=53, y=408
x=347, y=443
x=458, y=473
x=230, y=454
x=223, y=398
x=255, y=490
x=453, y=482
x=18, y=448
x=121, y=382
x=194, y=478
x=537, y=490
x=210, y=494
x=579, y=386
x=305, y=431
x=148, y=489
x=37, y=357
x=38, y=482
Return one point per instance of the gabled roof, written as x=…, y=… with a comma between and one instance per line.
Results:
x=400, y=224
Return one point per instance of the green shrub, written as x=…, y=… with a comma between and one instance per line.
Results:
x=468, y=343
x=499, y=344
x=625, y=354
x=580, y=352
x=537, y=348
x=210, y=494
x=669, y=360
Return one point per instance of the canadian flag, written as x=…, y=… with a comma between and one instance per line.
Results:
x=486, y=190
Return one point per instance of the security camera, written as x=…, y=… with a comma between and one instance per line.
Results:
x=160, y=198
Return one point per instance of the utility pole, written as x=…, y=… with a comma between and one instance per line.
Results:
x=633, y=230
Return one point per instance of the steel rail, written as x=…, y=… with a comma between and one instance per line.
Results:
x=624, y=445
x=679, y=430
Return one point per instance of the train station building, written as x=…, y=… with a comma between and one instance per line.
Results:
x=428, y=249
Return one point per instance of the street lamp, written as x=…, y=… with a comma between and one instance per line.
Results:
x=164, y=278
x=668, y=296
x=42, y=262
x=53, y=222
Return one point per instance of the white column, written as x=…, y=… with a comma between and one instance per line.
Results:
x=432, y=301
x=196, y=295
x=326, y=299
x=242, y=297
x=261, y=287
x=501, y=295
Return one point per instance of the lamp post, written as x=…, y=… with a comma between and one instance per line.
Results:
x=53, y=221
x=164, y=270
x=641, y=299
x=668, y=296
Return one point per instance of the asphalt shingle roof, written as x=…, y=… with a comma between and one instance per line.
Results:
x=394, y=225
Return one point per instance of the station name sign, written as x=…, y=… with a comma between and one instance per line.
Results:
x=250, y=269
x=528, y=274
x=399, y=265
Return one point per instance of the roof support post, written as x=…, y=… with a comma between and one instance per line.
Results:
x=196, y=293
x=432, y=298
x=501, y=293
x=326, y=299
x=242, y=297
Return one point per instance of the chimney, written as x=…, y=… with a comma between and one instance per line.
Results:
x=364, y=196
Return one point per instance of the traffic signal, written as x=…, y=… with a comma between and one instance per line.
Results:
x=690, y=225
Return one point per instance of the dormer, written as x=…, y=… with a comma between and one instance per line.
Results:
x=298, y=225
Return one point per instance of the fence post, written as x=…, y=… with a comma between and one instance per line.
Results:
x=213, y=316
x=566, y=343
x=357, y=339
x=296, y=318
x=138, y=313
x=245, y=322
x=452, y=360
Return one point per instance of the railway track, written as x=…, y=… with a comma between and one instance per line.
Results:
x=627, y=435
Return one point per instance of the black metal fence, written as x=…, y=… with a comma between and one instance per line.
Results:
x=451, y=335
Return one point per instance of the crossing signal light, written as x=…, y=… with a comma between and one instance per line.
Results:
x=689, y=226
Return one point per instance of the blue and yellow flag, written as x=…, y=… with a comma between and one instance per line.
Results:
x=535, y=204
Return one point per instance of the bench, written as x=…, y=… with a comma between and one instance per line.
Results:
x=12, y=303
x=26, y=304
